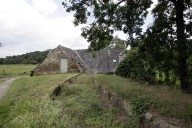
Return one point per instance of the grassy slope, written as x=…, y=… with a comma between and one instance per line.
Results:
x=27, y=102
x=16, y=69
x=166, y=101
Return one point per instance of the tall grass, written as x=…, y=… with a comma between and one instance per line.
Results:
x=85, y=108
x=164, y=99
x=27, y=105
x=27, y=102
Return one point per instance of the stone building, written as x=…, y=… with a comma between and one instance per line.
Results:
x=62, y=60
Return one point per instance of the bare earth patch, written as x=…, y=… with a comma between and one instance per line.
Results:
x=5, y=85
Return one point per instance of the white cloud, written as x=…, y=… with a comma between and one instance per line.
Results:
x=24, y=28
x=30, y=25
x=45, y=6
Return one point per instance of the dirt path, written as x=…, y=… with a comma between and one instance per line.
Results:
x=4, y=86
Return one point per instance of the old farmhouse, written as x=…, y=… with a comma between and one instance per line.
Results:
x=63, y=60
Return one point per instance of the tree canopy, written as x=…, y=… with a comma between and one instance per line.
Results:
x=108, y=16
x=166, y=42
x=28, y=58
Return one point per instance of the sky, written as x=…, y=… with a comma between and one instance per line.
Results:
x=38, y=25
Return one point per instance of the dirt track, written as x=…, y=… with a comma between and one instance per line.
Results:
x=4, y=86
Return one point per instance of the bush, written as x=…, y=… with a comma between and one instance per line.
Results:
x=135, y=66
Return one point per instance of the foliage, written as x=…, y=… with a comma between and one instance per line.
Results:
x=135, y=66
x=169, y=35
x=118, y=43
x=28, y=58
x=164, y=44
x=108, y=16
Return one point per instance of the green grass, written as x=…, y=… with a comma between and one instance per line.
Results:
x=167, y=101
x=79, y=104
x=15, y=69
x=27, y=102
x=82, y=107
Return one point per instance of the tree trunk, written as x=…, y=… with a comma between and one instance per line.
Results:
x=181, y=44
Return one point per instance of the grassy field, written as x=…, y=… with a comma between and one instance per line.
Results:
x=79, y=104
x=10, y=70
x=162, y=99
x=27, y=102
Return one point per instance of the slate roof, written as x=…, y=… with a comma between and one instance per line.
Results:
x=103, y=61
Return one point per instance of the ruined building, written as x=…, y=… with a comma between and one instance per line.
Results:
x=62, y=60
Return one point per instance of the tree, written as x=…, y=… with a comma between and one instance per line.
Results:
x=127, y=16
x=28, y=58
x=159, y=42
x=118, y=43
x=1, y=60
x=175, y=18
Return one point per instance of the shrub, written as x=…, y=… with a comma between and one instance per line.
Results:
x=135, y=66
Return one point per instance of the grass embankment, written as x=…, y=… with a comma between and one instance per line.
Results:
x=161, y=99
x=15, y=69
x=28, y=104
x=82, y=107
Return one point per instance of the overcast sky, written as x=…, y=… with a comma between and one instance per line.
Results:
x=37, y=25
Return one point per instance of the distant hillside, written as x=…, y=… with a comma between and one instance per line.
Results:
x=28, y=58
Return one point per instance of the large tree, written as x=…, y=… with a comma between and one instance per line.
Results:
x=167, y=31
x=106, y=16
x=181, y=42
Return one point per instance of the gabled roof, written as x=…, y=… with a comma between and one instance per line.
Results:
x=103, y=61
